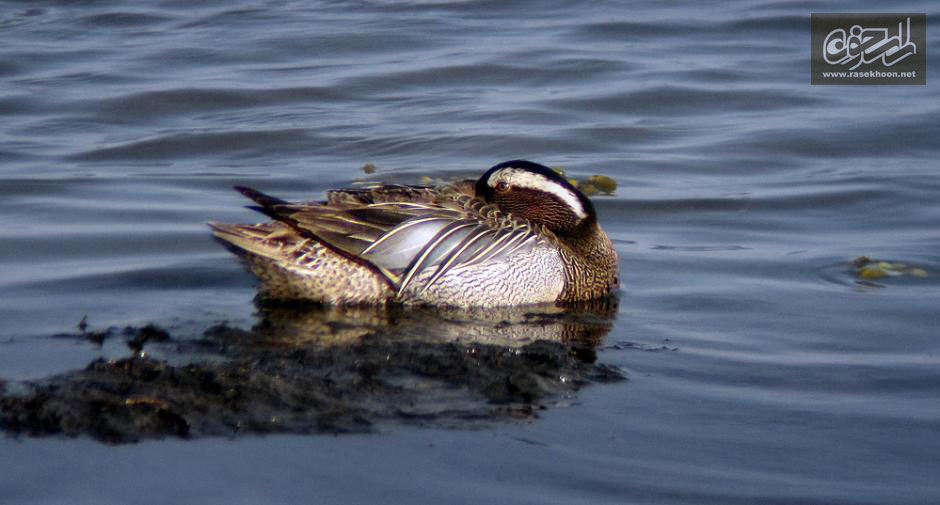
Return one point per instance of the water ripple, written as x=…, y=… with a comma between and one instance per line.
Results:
x=743, y=195
x=181, y=145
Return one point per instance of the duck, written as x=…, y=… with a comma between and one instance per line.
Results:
x=521, y=234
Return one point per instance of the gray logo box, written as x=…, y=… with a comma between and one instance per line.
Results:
x=868, y=48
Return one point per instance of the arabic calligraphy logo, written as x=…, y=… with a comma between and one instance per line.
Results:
x=868, y=45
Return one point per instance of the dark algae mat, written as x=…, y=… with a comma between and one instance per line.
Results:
x=316, y=370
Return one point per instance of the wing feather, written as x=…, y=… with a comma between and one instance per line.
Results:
x=404, y=231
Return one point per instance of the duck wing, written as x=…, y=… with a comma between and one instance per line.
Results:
x=405, y=231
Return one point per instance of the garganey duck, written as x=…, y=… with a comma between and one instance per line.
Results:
x=521, y=234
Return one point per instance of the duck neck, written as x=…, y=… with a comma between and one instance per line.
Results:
x=591, y=268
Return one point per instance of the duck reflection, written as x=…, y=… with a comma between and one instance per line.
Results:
x=583, y=325
x=326, y=369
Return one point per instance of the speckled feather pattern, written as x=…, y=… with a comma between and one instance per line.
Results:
x=461, y=245
x=591, y=268
x=291, y=268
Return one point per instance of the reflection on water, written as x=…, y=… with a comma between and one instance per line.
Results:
x=743, y=195
x=320, y=369
x=581, y=325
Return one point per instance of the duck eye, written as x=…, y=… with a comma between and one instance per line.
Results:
x=502, y=186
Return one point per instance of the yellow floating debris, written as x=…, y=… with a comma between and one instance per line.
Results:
x=587, y=188
x=871, y=272
x=604, y=184
x=867, y=268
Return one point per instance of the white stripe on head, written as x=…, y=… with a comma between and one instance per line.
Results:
x=527, y=179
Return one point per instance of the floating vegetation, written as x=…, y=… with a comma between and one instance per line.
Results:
x=318, y=370
x=603, y=183
x=871, y=269
x=592, y=185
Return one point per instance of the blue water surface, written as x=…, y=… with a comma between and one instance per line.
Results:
x=743, y=195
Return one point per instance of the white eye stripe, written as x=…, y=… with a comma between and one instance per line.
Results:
x=527, y=179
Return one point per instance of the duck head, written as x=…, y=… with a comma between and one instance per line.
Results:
x=539, y=194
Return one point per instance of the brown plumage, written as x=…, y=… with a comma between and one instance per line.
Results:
x=520, y=234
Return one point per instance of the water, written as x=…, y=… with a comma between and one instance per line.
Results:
x=743, y=194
